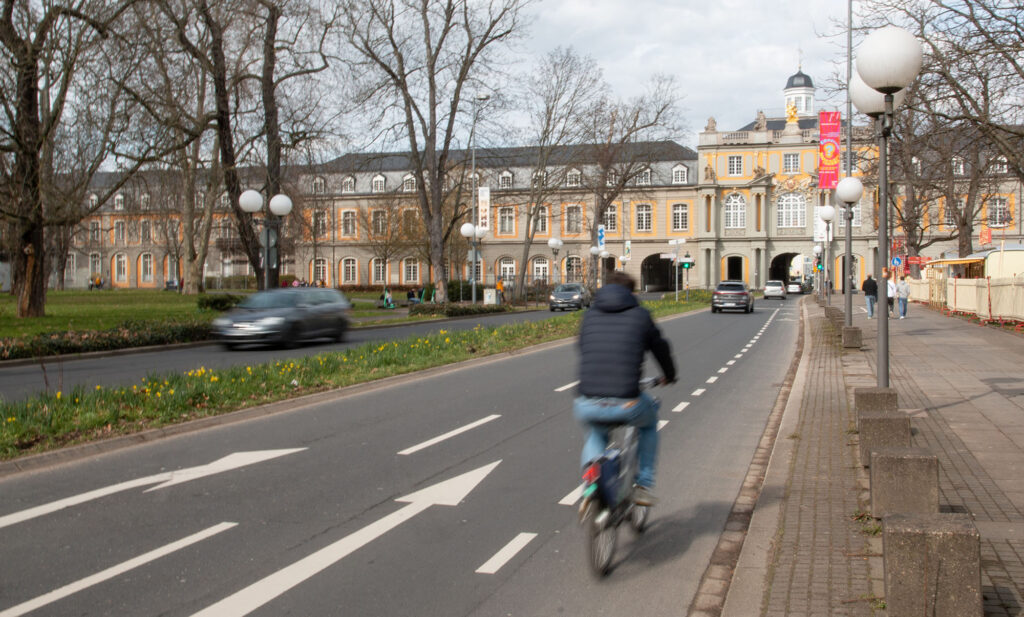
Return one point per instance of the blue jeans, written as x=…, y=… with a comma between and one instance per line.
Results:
x=643, y=415
x=871, y=300
x=903, y=306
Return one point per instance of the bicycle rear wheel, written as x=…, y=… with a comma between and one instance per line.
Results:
x=601, y=541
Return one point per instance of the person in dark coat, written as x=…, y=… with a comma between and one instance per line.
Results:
x=870, y=289
x=615, y=335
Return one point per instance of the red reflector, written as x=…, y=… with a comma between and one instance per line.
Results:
x=592, y=473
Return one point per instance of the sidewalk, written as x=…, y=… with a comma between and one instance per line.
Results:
x=806, y=551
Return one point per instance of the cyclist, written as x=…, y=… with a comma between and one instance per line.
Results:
x=615, y=335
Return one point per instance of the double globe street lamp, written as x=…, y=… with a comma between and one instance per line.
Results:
x=849, y=191
x=827, y=213
x=555, y=244
x=473, y=233
x=280, y=206
x=888, y=61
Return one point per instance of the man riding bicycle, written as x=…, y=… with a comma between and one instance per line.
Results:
x=615, y=335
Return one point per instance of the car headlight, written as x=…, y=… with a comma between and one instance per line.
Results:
x=220, y=322
x=270, y=322
x=551, y=297
x=575, y=296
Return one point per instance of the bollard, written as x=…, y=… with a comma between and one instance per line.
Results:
x=874, y=399
x=851, y=337
x=881, y=429
x=904, y=481
x=932, y=565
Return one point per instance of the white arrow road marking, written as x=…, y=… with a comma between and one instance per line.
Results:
x=503, y=556
x=169, y=478
x=681, y=406
x=567, y=386
x=447, y=493
x=572, y=497
x=109, y=573
x=448, y=435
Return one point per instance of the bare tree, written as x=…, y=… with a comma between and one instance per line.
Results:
x=412, y=63
x=390, y=232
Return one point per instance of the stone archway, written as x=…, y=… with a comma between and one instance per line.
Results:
x=656, y=274
x=782, y=266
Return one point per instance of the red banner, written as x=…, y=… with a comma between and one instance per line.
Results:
x=828, y=149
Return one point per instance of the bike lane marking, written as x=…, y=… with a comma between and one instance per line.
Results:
x=712, y=379
x=572, y=497
x=448, y=435
x=111, y=572
x=503, y=556
x=698, y=392
x=681, y=406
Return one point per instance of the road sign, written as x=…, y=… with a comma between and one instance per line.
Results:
x=600, y=237
x=896, y=262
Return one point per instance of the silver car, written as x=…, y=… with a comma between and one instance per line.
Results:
x=775, y=289
x=284, y=317
x=794, y=287
x=573, y=296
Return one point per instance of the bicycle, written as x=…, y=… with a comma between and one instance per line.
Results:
x=608, y=490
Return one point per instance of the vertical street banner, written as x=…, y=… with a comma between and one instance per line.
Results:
x=828, y=149
x=483, y=215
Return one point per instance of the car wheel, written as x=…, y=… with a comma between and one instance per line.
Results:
x=230, y=346
x=339, y=332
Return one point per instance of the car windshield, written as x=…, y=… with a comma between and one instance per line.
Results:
x=568, y=288
x=773, y=284
x=731, y=287
x=270, y=300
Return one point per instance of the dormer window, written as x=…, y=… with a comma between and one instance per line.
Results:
x=144, y=201
x=958, y=166
x=999, y=165
x=680, y=174
x=93, y=201
x=319, y=186
x=573, y=178
x=613, y=178
x=377, y=185
x=505, y=180
x=225, y=201
x=540, y=178
x=348, y=185
x=915, y=164
x=644, y=178
x=409, y=183
x=119, y=202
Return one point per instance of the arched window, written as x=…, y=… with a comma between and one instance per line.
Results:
x=735, y=212
x=409, y=183
x=507, y=268
x=146, y=267
x=680, y=174
x=505, y=180
x=411, y=270
x=573, y=269
x=121, y=268
x=119, y=202
x=348, y=185
x=792, y=211
x=541, y=269
x=379, y=270
x=378, y=184
x=320, y=269
x=349, y=274
x=319, y=186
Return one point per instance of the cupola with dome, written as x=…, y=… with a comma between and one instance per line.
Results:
x=799, y=92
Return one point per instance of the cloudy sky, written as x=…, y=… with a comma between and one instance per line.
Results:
x=730, y=57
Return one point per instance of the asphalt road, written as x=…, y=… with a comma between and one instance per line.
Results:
x=486, y=458
x=20, y=381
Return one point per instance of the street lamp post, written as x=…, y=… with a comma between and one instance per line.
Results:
x=473, y=233
x=594, y=252
x=554, y=244
x=280, y=206
x=888, y=61
x=827, y=213
x=675, y=265
x=849, y=191
x=604, y=256
x=817, y=275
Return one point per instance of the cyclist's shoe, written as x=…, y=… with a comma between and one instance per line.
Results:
x=643, y=496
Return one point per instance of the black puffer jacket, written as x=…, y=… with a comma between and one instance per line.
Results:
x=614, y=335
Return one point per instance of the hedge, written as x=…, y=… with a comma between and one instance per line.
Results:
x=457, y=310
x=131, y=333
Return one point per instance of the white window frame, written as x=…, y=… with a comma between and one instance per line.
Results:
x=411, y=270
x=409, y=183
x=680, y=174
x=378, y=270
x=379, y=222
x=958, y=166
x=319, y=186
x=348, y=185
x=613, y=178
x=949, y=214
x=541, y=269
x=791, y=163
x=574, y=219
x=680, y=217
x=734, y=212
x=144, y=201
x=120, y=232
x=540, y=220
x=349, y=224
x=319, y=223
x=791, y=211
x=349, y=271
x=573, y=269
x=610, y=218
x=643, y=178
x=540, y=178
x=995, y=206
x=145, y=232
x=506, y=220
x=507, y=268
x=121, y=268
x=379, y=184
x=94, y=231
x=1000, y=165
x=644, y=217
x=95, y=263
x=70, y=265
x=94, y=200
x=573, y=179
x=119, y=202
x=735, y=164
x=320, y=269
x=505, y=180
x=146, y=267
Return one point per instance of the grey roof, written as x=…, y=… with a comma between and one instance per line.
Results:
x=799, y=80
x=777, y=124
x=512, y=157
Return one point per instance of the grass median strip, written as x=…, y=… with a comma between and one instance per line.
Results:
x=53, y=420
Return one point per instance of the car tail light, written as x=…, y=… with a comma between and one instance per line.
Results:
x=591, y=473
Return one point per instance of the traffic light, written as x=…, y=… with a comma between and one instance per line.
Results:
x=818, y=265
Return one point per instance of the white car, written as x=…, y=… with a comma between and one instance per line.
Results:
x=775, y=289
x=794, y=287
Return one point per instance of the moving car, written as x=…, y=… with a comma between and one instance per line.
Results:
x=569, y=295
x=774, y=289
x=284, y=317
x=732, y=295
x=794, y=287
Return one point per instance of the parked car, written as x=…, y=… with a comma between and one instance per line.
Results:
x=284, y=317
x=569, y=295
x=775, y=289
x=732, y=295
x=794, y=287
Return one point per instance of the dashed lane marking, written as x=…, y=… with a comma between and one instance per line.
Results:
x=681, y=406
x=509, y=551
x=567, y=386
x=448, y=435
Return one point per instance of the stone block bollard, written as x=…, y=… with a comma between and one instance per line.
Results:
x=932, y=565
x=851, y=337
x=881, y=429
x=874, y=399
x=904, y=481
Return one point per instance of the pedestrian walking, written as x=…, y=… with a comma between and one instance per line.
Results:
x=870, y=289
x=890, y=292
x=903, y=295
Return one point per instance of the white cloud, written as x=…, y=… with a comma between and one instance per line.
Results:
x=731, y=57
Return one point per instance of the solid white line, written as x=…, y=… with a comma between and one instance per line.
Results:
x=661, y=424
x=723, y=369
x=572, y=497
x=113, y=571
x=711, y=379
x=503, y=556
x=448, y=435
x=567, y=386
x=681, y=406
x=698, y=392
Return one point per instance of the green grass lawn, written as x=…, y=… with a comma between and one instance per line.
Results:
x=98, y=310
